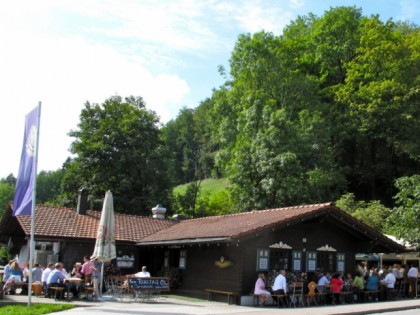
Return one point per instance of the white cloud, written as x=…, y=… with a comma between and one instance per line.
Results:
x=64, y=72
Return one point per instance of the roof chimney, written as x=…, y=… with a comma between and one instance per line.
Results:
x=159, y=212
x=82, y=201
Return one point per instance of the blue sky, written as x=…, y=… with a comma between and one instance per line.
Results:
x=64, y=53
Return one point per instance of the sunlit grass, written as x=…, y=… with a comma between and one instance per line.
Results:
x=35, y=309
x=208, y=185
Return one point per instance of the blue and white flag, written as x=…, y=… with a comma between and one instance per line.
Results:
x=25, y=185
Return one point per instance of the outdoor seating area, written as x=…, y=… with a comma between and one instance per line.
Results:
x=324, y=297
x=322, y=289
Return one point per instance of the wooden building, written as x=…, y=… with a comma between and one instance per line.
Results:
x=226, y=252
x=67, y=235
x=219, y=252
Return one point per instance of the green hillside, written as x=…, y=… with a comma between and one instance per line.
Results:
x=207, y=185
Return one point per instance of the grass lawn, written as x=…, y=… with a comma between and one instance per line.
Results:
x=34, y=309
x=210, y=185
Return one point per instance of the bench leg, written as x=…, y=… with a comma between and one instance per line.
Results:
x=58, y=295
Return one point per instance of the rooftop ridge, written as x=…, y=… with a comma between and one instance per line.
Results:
x=317, y=205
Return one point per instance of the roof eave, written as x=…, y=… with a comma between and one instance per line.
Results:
x=191, y=241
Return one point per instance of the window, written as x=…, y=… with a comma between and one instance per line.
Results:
x=297, y=260
x=182, y=259
x=327, y=261
x=311, y=258
x=341, y=258
x=263, y=259
x=280, y=258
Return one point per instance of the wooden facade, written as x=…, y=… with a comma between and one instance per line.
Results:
x=326, y=242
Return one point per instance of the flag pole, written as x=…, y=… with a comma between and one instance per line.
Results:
x=32, y=240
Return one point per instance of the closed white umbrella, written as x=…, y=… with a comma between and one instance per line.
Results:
x=105, y=240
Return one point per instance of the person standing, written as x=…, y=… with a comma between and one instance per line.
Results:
x=87, y=270
x=413, y=274
x=96, y=275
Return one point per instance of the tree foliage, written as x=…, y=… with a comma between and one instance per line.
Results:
x=405, y=217
x=48, y=186
x=117, y=148
x=328, y=108
x=7, y=189
x=372, y=213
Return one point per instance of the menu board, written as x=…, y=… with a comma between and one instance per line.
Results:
x=149, y=284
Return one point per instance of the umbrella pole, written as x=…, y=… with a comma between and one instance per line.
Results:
x=102, y=279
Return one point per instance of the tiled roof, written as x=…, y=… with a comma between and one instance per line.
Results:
x=234, y=226
x=67, y=223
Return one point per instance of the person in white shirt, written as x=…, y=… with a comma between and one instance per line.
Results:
x=45, y=273
x=413, y=274
x=389, y=280
x=280, y=286
x=143, y=273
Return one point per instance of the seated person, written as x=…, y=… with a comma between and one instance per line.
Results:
x=389, y=280
x=77, y=270
x=358, y=284
x=15, y=275
x=325, y=279
x=349, y=279
x=280, y=287
x=372, y=283
x=55, y=278
x=260, y=288
x=143, y=273
x=336, y=286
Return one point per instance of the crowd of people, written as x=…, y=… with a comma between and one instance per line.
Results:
x=54, y=275
x=385, y=282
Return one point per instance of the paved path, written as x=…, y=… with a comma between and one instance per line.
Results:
x=171, y=306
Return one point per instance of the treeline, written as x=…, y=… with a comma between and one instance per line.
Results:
x=328, y=108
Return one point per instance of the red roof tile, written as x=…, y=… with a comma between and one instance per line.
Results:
x=67, y=223
x=234, y=226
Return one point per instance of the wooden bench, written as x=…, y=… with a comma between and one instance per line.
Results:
x=280, y=298
x=58, y=292
x=88, y=291
x=256, y=298
x=229, y=294
x=373, y=294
